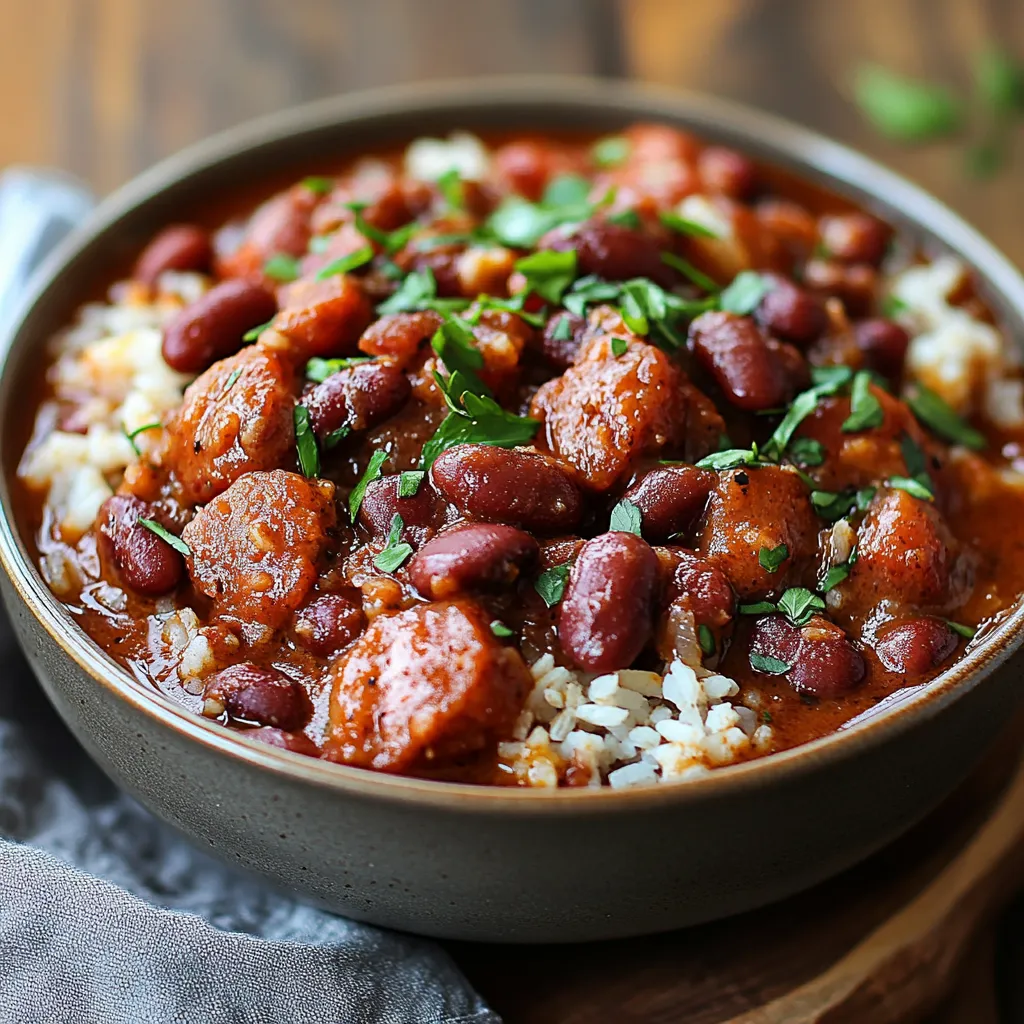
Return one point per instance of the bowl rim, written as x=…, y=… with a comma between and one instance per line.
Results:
x=778, y=141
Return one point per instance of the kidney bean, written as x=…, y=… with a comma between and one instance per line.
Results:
x=612, y=251
x=330, y=622
x=508, y=486
x=670, y=499
x=884, y=344
x=606, y=616
x=212, y=327
x=470, y=556
x=821, y=659
x=443, y=262
x=262, y=696
x=915, y=647
x=754, y=371
x=147, y=564
x=559, y=344
x=177, y=247
x=296, y=742
x=422, y=514
x=791, y=313
x=790, y=224
x=854, y=237
x=855, y=284
x=693, y=581
x=357, y=397
x=726, y=172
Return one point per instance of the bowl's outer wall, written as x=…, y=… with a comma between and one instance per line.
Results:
x=460, y=868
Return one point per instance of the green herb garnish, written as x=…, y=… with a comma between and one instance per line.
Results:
x=689, y=271
x=799, y=605
x=905, y=109
x=319, y=370
x=913, y=487
x=548, y=274
x=345, y=264
x=936, y=414
x=563, y=329
x=320, y=185
x=305, y=443
x=768, y=665
x=551, y=583
x=865, y=410
x=520, y=224
x=625, y=518
x=395, y=551
x=770, y=559
x=253, y=333
x=619, y=346
x=499, y=629
x=706, y=639
x=176, y=542
x=745, y=292
x=806, y=451
x=610, y=151
x=451, y=187
x=968, y=632
x=415, y=292
x=371, y=473
x=758, y=608
x=132, y=434
x=478, y=420
x=389, y=241
x=409, y=481
x=729, y=459
x=281, y=267
x=674, y=222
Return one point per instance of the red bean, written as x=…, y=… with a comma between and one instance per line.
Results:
x=147, y=564
x=296, y=742
x=422, y=514
x=754, y=371
x=822, y=661
x=330, y=622
x=561, y=340
x=884, y=344
x=177, y=247
x=508, y=486
x=606, y=615
x=471, y=556
x=670, y=499
x=726, y=172
x=443, y=262
x=612, y=251
x=702, y=587
x=854, y=237
x=915, y=647
x=262, y=696
x=357, y=397
x=856, y=284
x=212, y=327
x=791, y=313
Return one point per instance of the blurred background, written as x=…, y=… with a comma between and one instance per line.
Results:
x=104, y=88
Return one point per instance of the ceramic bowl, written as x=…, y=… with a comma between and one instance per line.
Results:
x=489, y=863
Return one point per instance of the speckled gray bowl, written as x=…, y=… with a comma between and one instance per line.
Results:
x=472, y=862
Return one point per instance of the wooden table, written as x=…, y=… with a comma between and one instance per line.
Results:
x=105, y=87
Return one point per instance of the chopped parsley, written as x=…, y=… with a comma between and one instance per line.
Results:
x=345, y=264
x=318, y=184
x=770, y=559
x=913, y=487
x=563, y=329
x=625, y=518
x=255, y=332
x=768, y=665
x=548, y=273
x=519, y=223
x=409, y=481
x=745, y=292
x=833, y=505
x=132, y=434
x=389, y=241
x=415, y=292
x=892, y=306
x=625, y=218
x=936, y=414
x=758, y=608
x=730, y=458
x=499, y=629
x=689, y=271
x=969, y=632
x=319, y=370
x=837, y=573
x=371, y=473
x=799, y=605
x=335, y=437
x=305, y=443
x=683, y=226
x=610, y=151
x=281, y=267
x=232, y=380
x=865, y=410
x=706, y=639
x=551, y=583
x=395, y=551
x=806, y=451
x=453, y=343
x=803, y=405
x=176, y=542
x=451, y=187
x=619, y=346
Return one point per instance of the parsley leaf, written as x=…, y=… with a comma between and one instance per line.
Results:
x=802, y=406
x=499, y=629
x=319, y=370
x=625, y=518
x=807, y=451
x=454, y=192
x=706, y=639
x=610, y=151
x=176, y=542
x=745, y=292
x=395, y=551
x=480, y=421
x=132, y=434
x=318, y=184
x=935, y=414
x=520, y=224
x=799, y=605
x=453, y=343
x=389, y=241
x=548, y=273
x=551, y=583
x=563, y=329
x=905, y=109
x=728, y=459
x=999, y=82
x=305, y=443
x=768, y=665
x=833, y=505
x=255, y=332
x=371, y=473
x=415, y=292
x=228, y=384
x=689, y=271
x=345, y=264
x=835, y=575
x=674, y=222
x=958, y=627
x=913, y=487
x=409, y=481
x=758, y=608
x=771, y=559
x=865, y=410
x=281, y=267
x=892, y=306
x=619, y=346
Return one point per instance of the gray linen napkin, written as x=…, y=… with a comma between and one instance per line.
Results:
x=109, y=917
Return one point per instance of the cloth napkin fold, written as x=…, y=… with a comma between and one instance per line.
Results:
x=107, y=916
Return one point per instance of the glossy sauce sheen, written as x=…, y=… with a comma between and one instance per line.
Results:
x=288, y=583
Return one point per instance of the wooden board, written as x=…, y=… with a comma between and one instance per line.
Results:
x=882, y=943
